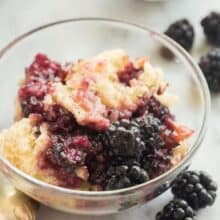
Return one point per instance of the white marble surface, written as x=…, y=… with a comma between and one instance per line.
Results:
x=18, y=16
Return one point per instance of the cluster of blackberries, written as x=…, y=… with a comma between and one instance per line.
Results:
x=182, y=32
x=125, y=176
x=192, y=191
x=135, y=149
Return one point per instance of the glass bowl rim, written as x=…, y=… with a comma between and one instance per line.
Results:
x=195, y=146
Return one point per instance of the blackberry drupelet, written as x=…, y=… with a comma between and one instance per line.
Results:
x=210, y=65
x=122, y=176
x=211, y=27
x=176, y=210
x=197, y=188
x=182, y=32
x=123, y=139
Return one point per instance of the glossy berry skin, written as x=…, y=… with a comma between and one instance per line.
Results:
x=211, y=28
x=122, y=176
x=182, y=32
x=176, y=210
x=150, y=128
x=210, y=66
x=197, y=188
x=123, y=140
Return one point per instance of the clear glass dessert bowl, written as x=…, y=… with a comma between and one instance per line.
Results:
x=84, y=37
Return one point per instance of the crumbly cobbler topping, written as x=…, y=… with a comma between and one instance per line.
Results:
x=98, y=124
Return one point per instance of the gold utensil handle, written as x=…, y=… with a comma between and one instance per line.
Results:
x=14, y=205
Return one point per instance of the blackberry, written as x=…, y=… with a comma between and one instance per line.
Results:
x=154, y=107
x=31, y=105
x=97, y=161
x=150, y=127
x=44, y=70
x=182, y=32
x=137, y=175
x=129, y=73
x=37, y=83
x=210, y=65
x=59, y=119
x=67, y=152
x=176, y=210
x=123, y=139
x=122, y=176
x=211, y=28
x=197, y=188
x=128, y=161
x=158, y=110
x=156, y=163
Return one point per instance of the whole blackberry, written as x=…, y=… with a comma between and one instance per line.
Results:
x=197, y=188
x=176, y=210
x=182, y=32
x=211, y=27
x=122, y=176
x=150, y=128
x=210, y=65
x=149, y=125
x=123, y=139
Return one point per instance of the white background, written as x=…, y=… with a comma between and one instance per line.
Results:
x=18, y=16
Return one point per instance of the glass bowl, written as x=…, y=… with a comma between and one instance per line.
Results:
x=68, y=40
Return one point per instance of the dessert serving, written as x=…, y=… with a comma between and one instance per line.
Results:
x=96, y=124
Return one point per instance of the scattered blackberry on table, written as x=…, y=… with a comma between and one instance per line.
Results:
x=123, y=176
x=182, y=32
x=176, y=209
x=123, y=139
x=197, y=188
x=210, y=65
x=211, y=27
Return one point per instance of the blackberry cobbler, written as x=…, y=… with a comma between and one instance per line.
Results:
x=97, y=124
